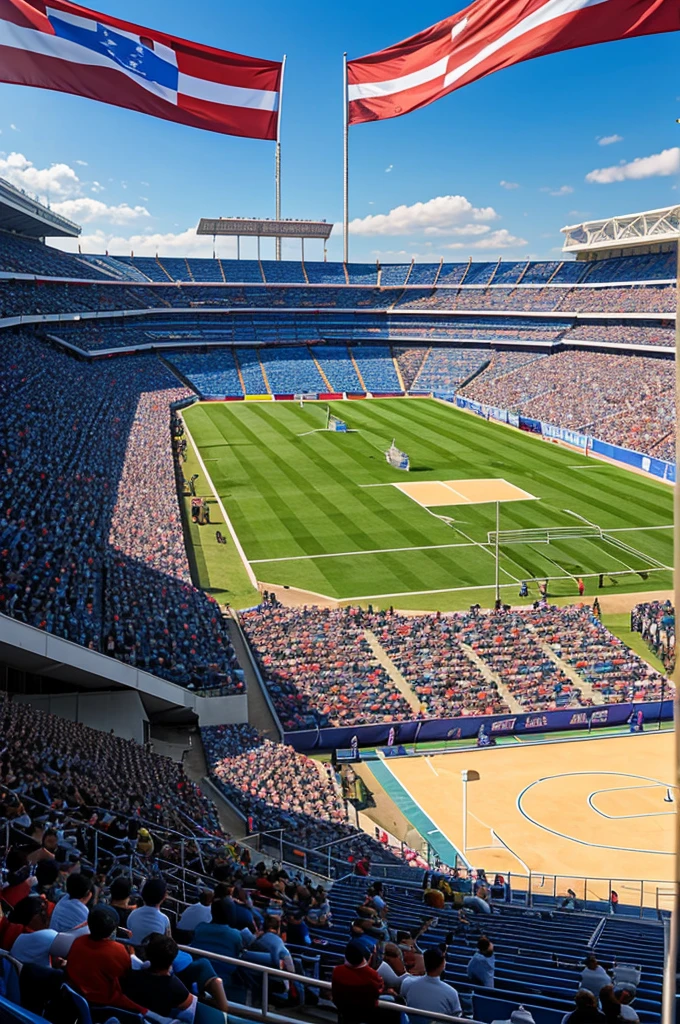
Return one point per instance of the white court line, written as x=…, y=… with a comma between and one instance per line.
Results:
x=602, y=466
x=372, y=551
x=466, y=501
x=637, y=529
x=431, y=766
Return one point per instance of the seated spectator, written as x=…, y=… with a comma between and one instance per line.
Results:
x=197, y=913
x=271, y=942
x=19, y=881
x=148, y=918
x=594, y=977
x=356, y=987
x=480, y=969
x=164, y=992
x=586, y=1011
x=430, y=992
x=319, y=911
x=218, y=936
x=71, y=910
x=392, y=969
x=97, y=965
x=119, y=897
x=625, y=997
x=33, y=944
x=297, y=931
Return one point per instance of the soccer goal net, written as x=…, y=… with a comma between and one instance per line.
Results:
x=397, y=458
x=335, y=423
x=545, y=535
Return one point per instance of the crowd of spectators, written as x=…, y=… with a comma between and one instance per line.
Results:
x=655, y=621
x=91, y=545
x=277, y=788
x=613, y=333
x=626, y=400
x=320, y=669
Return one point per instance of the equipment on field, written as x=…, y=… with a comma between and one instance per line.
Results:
x=396, y=458
x=334, y=422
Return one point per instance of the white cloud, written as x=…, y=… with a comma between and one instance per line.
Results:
x=608, y=140
x=144, y=183
x=57, y=181
x=96, y=186
x=508, y=184
x=183, y=243
x=440, y=217
x=86, y=210
x=501, y=239
x=14, y=128
x=82, y=163
x=563, y=190
x=658, y=165
x=388, y=169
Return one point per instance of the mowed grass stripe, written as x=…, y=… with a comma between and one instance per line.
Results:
x=289, y=495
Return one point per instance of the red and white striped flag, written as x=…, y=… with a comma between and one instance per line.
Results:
x=53, y=44
x=485, y=37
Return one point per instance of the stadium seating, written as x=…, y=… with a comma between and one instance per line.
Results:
x=248, y=360
x=29, y=256
x=292, y=370
x=212, y=374
x=376, y=367
x=394, y=275
x=655, y=621
x=445, y=369
x=79, y=556
x=337, y=367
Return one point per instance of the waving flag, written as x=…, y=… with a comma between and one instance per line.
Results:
x=485, y=37
x=58, y=45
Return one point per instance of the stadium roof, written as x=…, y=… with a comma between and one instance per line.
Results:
x=264, y=228
x=635, y=230
x=22, y=213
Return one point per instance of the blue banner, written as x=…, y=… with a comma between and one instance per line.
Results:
x=441, y=729
x=564, y=434
x=663, y=470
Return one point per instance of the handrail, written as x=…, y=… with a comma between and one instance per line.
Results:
x=301, y=979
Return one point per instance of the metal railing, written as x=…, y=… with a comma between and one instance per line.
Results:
x=266, y=1014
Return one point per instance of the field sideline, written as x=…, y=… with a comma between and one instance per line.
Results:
x=315, y=510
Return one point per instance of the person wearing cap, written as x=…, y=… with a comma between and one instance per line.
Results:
x=97, y=965
x=480, y=969
x=355, y=987
x=148, y=918
x=430, y=992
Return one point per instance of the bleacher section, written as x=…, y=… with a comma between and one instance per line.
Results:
x=335, y=362
x=212, y=374
x=28, y=256
x=292, y=371
x=376, y=367
x=444, y=369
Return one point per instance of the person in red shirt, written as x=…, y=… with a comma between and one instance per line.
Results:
x=356, y=987
x=97, y=964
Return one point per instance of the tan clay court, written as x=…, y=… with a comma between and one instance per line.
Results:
x=438, y=493
x=591, y=807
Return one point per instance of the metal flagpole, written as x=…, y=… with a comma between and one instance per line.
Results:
x=498, y=525
x=345, y=165
x=278, y=156
x=671, y=965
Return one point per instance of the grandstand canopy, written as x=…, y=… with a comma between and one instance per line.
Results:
x=633, y=234
x=265, y=228
x=22, y=213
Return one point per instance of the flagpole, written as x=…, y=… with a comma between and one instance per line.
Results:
x=278, y=156
x=345, y=166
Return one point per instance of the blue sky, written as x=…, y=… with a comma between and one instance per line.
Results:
x=493, y=169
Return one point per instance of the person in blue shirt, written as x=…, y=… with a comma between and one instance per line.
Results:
x=480, y=969
x=271, y=942
x=217, y=936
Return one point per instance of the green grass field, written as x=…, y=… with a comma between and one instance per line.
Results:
x=308, y=513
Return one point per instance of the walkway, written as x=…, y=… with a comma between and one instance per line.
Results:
x=393, y=672
x=493, y=677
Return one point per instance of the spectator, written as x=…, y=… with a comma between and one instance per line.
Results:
x=270, y=941
x=430, y=992
x=586, y=1011
x=163, y=991
x=148, y=918
x=34, y=943
x=119, y=898
x=197, y=913
x=480, y=969
x=625, y=997
x=218, y=936
x=593, y=976
x=356, y=987
x=97, y=965
x=71, y=911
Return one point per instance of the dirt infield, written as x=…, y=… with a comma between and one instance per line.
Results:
x=440, y=493
x=594, y=808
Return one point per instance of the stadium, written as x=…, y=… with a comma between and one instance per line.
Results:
x=337, y=625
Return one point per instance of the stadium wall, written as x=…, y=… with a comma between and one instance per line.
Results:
x=593, y=445
x=442, y=729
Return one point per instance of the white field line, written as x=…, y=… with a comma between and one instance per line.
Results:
x=373, y=551
x=234, y=536
x=637, y=529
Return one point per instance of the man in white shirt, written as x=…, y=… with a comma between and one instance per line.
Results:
x=594, y=977
x=33, y=947
x=147, y=919
x=430, y=992
x=197, y=913
x=72, y=909
x=625, y=997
